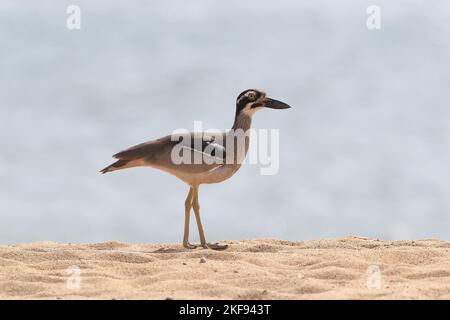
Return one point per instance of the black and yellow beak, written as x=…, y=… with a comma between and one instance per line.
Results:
x=274, y=104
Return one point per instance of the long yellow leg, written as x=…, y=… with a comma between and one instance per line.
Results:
x=187, y=215
x=196, y=207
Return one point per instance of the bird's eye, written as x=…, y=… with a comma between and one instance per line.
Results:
x=251, y=96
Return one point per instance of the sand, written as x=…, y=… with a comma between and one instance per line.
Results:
x=341, y=268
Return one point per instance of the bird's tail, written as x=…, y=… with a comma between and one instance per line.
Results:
x=119, y=164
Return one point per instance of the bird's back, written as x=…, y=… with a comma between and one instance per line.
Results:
x=195, y=158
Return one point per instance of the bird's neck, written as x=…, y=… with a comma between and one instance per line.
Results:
x=240, y=129
x=242, y=121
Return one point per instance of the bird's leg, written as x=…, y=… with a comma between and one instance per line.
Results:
x=196, y=206
x=187, y=214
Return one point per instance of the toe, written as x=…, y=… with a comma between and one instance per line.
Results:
x=187, y=245
x=216, y=246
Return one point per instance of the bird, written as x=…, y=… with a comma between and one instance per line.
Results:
x=221, y=155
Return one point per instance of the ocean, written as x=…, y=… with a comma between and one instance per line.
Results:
x=364, y=150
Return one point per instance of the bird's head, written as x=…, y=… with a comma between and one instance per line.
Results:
x=252, y=100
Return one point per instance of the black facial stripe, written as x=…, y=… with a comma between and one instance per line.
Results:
x=256, y=105
x=242, y=100
x=243, y=93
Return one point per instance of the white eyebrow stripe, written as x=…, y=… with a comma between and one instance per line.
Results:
x=246, y=95
x=239, y=100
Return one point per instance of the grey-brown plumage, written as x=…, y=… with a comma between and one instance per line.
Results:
x=213, y=147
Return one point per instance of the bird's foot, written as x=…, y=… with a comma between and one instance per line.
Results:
x=214, y=246
x=187, y=245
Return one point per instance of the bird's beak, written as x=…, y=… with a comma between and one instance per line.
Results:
x=274, y=104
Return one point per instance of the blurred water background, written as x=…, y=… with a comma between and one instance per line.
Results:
x=365, y=150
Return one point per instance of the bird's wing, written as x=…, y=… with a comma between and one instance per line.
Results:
x=207, y=147
x=212, y=146
x=145, y=149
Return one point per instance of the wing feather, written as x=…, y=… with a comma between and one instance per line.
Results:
x=210, y=147
x=144, y=150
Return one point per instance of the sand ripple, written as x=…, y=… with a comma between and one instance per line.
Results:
x=250, y=269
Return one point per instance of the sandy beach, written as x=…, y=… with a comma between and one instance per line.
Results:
x=340, y=268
